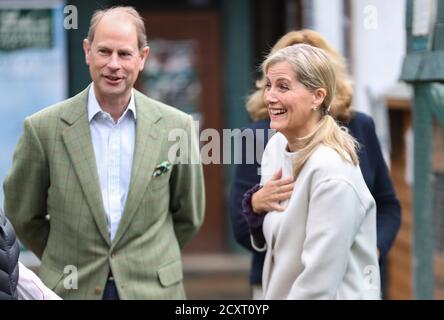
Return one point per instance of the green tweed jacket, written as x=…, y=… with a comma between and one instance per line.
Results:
x=53, y=199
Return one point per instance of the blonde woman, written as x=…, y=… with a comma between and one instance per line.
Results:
x=323, y=244
x=267, y=198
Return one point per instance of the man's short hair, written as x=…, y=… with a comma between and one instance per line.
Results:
x=137, y=19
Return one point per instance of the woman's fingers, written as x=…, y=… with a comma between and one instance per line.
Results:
x=283, y=189
x=286, y=188
x=284, y=181
x=276, y=190
x=283, y=196
x=277, y=207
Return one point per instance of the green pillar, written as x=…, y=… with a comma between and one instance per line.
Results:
x=423, y=68
x=423, y=284
x=238, y=66
x=238, y=60
x=428, y=105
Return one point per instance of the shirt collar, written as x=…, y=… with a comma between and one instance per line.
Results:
x=94, y=106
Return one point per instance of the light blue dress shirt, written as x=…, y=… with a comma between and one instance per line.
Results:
x=114, y=149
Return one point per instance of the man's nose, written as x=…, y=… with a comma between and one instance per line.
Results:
x=114, y=62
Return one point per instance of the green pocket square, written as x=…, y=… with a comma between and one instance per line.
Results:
x=161, y=168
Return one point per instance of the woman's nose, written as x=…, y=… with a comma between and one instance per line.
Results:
x=269, y=96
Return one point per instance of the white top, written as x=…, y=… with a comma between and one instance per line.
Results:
x=114, y=149
x=30, y=287
x=323, y=245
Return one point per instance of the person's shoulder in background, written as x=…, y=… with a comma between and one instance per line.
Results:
x=361, y=123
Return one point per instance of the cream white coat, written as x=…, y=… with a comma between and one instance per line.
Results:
x=323, y=246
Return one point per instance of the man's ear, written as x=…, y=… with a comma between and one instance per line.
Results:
x=144, y=53
x=86, y=49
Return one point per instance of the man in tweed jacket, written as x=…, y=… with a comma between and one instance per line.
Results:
x=92, y=191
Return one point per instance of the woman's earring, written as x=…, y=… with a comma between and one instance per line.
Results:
x=315, y=108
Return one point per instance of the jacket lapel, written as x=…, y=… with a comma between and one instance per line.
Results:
x=77, y=139
x=146, y=154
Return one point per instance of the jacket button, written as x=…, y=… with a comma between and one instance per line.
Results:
x=113, y=255
x=98, y=290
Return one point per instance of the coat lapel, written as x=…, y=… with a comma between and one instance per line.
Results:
x=146, y=154
x=77, y=139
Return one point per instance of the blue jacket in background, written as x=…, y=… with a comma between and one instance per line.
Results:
x=374, y=170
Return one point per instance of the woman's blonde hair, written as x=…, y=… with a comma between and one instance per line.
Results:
x=341, y=104
x=313, y=68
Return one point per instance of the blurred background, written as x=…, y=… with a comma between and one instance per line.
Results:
x=204, y=60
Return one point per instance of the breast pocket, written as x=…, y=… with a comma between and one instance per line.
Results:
x=160, y=182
